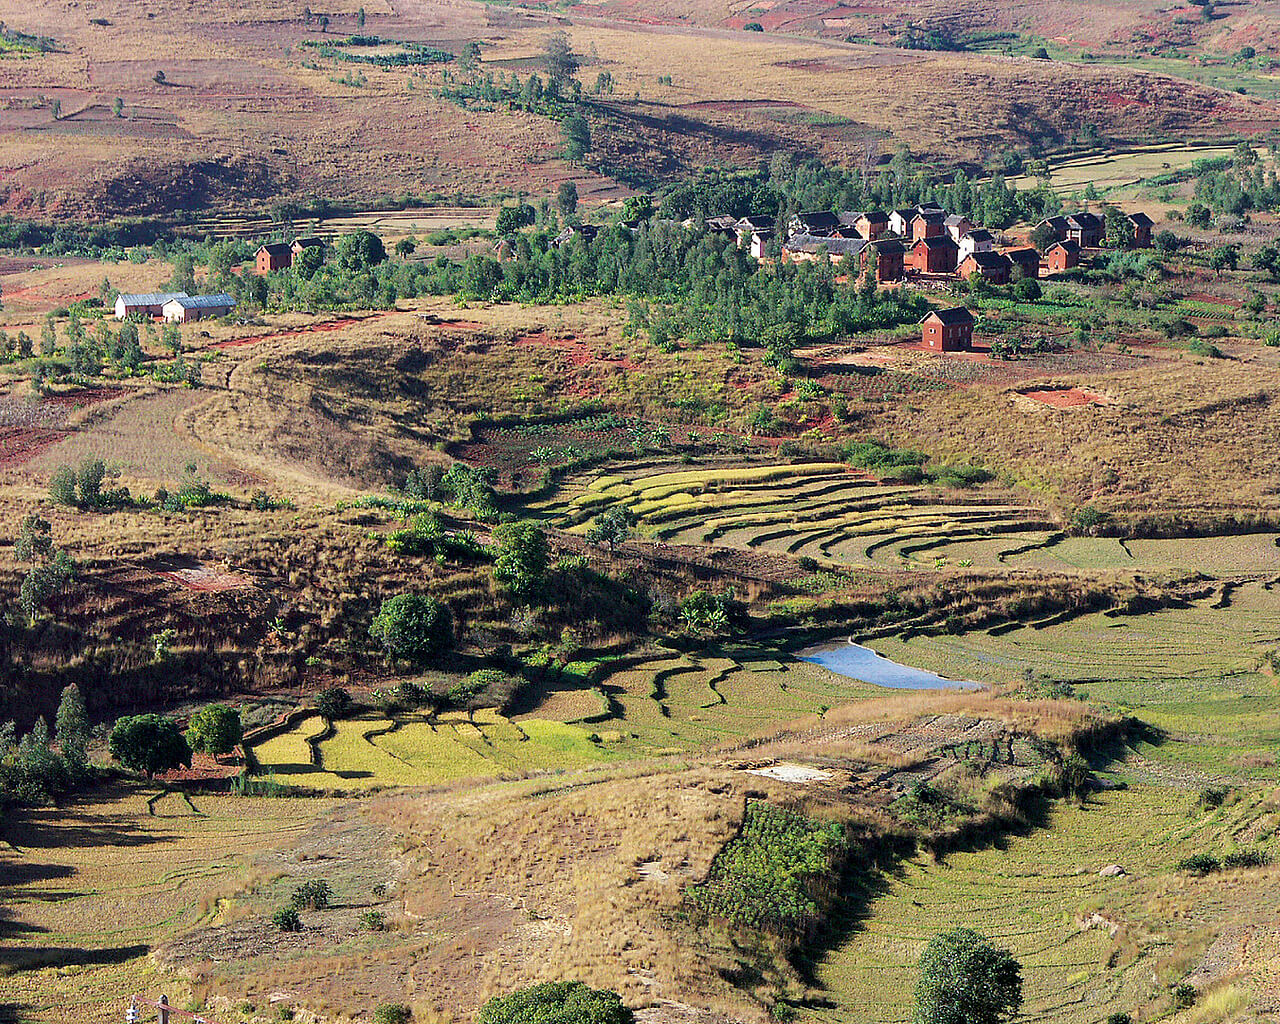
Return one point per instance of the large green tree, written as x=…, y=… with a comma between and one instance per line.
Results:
x=149, y=744
x=72, y=725
x=522, y=559
x=413, y=628
x=215, y=729
x=964, y=979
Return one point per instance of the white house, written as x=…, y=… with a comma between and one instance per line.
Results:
x=977, y=240
x=145, y=304
x=182, y=308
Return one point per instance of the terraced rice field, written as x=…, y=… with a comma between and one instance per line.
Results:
x=824, y=510
x=1038, y=894
x=837, y=514
x=1191, y=672
x=701, y=700
x=1117, y=170
x=417, y=750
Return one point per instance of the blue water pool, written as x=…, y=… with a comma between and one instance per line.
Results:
x=846, y=658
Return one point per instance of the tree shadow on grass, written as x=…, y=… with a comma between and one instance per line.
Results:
x=34, y=958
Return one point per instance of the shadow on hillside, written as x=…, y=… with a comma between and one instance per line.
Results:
x=873, y=869
x=867, y=875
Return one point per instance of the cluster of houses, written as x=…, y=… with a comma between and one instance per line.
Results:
x=922, y=241
x=173, y=307
x=280, y=255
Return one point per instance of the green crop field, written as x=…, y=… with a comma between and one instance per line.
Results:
x=1037, y=895
x=1110, y=171
x=824, y=510
x=415, y=750
x=1191, y=672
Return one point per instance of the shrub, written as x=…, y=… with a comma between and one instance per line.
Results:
x=314, y=895
x=1071, y=776
x=1120, y=1018
x=1246, y=859
x=1184, y=996
x=556, y=1002
x=287, y=920
x=475, y=684
x=373, y=921
x=1214, y=796
x=523, y=553
x=391, y=1013
x=413, y=628
x=334, y=703
x=1200, y=864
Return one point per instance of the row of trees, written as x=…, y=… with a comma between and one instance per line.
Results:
x=788, y=186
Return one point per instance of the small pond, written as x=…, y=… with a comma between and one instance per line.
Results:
x=845, y=658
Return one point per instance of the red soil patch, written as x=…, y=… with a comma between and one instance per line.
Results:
x=82, y=397
x=204, y=768
x=1065, y=398
x=206, y=579
x=579, y=353
x=20, y=444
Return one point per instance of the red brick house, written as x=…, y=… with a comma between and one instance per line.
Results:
x=937, y=254
x=947, y=330
x=1142, y=225
x=1025, y=259
x=890, y=259
x=311, y=242
x=1062, y=256
x=872, y=224
x=993, y=266
x=272, y=256
x=1085, y=229
x=928, y=224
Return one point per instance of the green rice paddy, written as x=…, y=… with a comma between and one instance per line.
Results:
x=417, y=750
x=1037, y=895
x=842, y=516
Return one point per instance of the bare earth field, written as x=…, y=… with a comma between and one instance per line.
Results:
x=256, y=125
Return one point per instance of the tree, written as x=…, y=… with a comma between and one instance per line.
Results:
x=1167, y=242
x=406, y=247
x=72, y=725
x=611, y=526
x=469, y=58
x=360, y=19
x=413, y=628
x=308, y=261
x=35, y=540
x=556, y=1002
x=324, y=23
x=57, y=110
x=964, y=979
x=1224, y=257
x=1043, y=237
x=158, y=78
x=558, y=58
x=567, y=199
x=1040, y=54
x=577, y=136
x=333, y=703
x=360, y=251
x=523, y=553
x=117, y=107
x=149, y=744
x=1267, y=259
x=215, y=729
